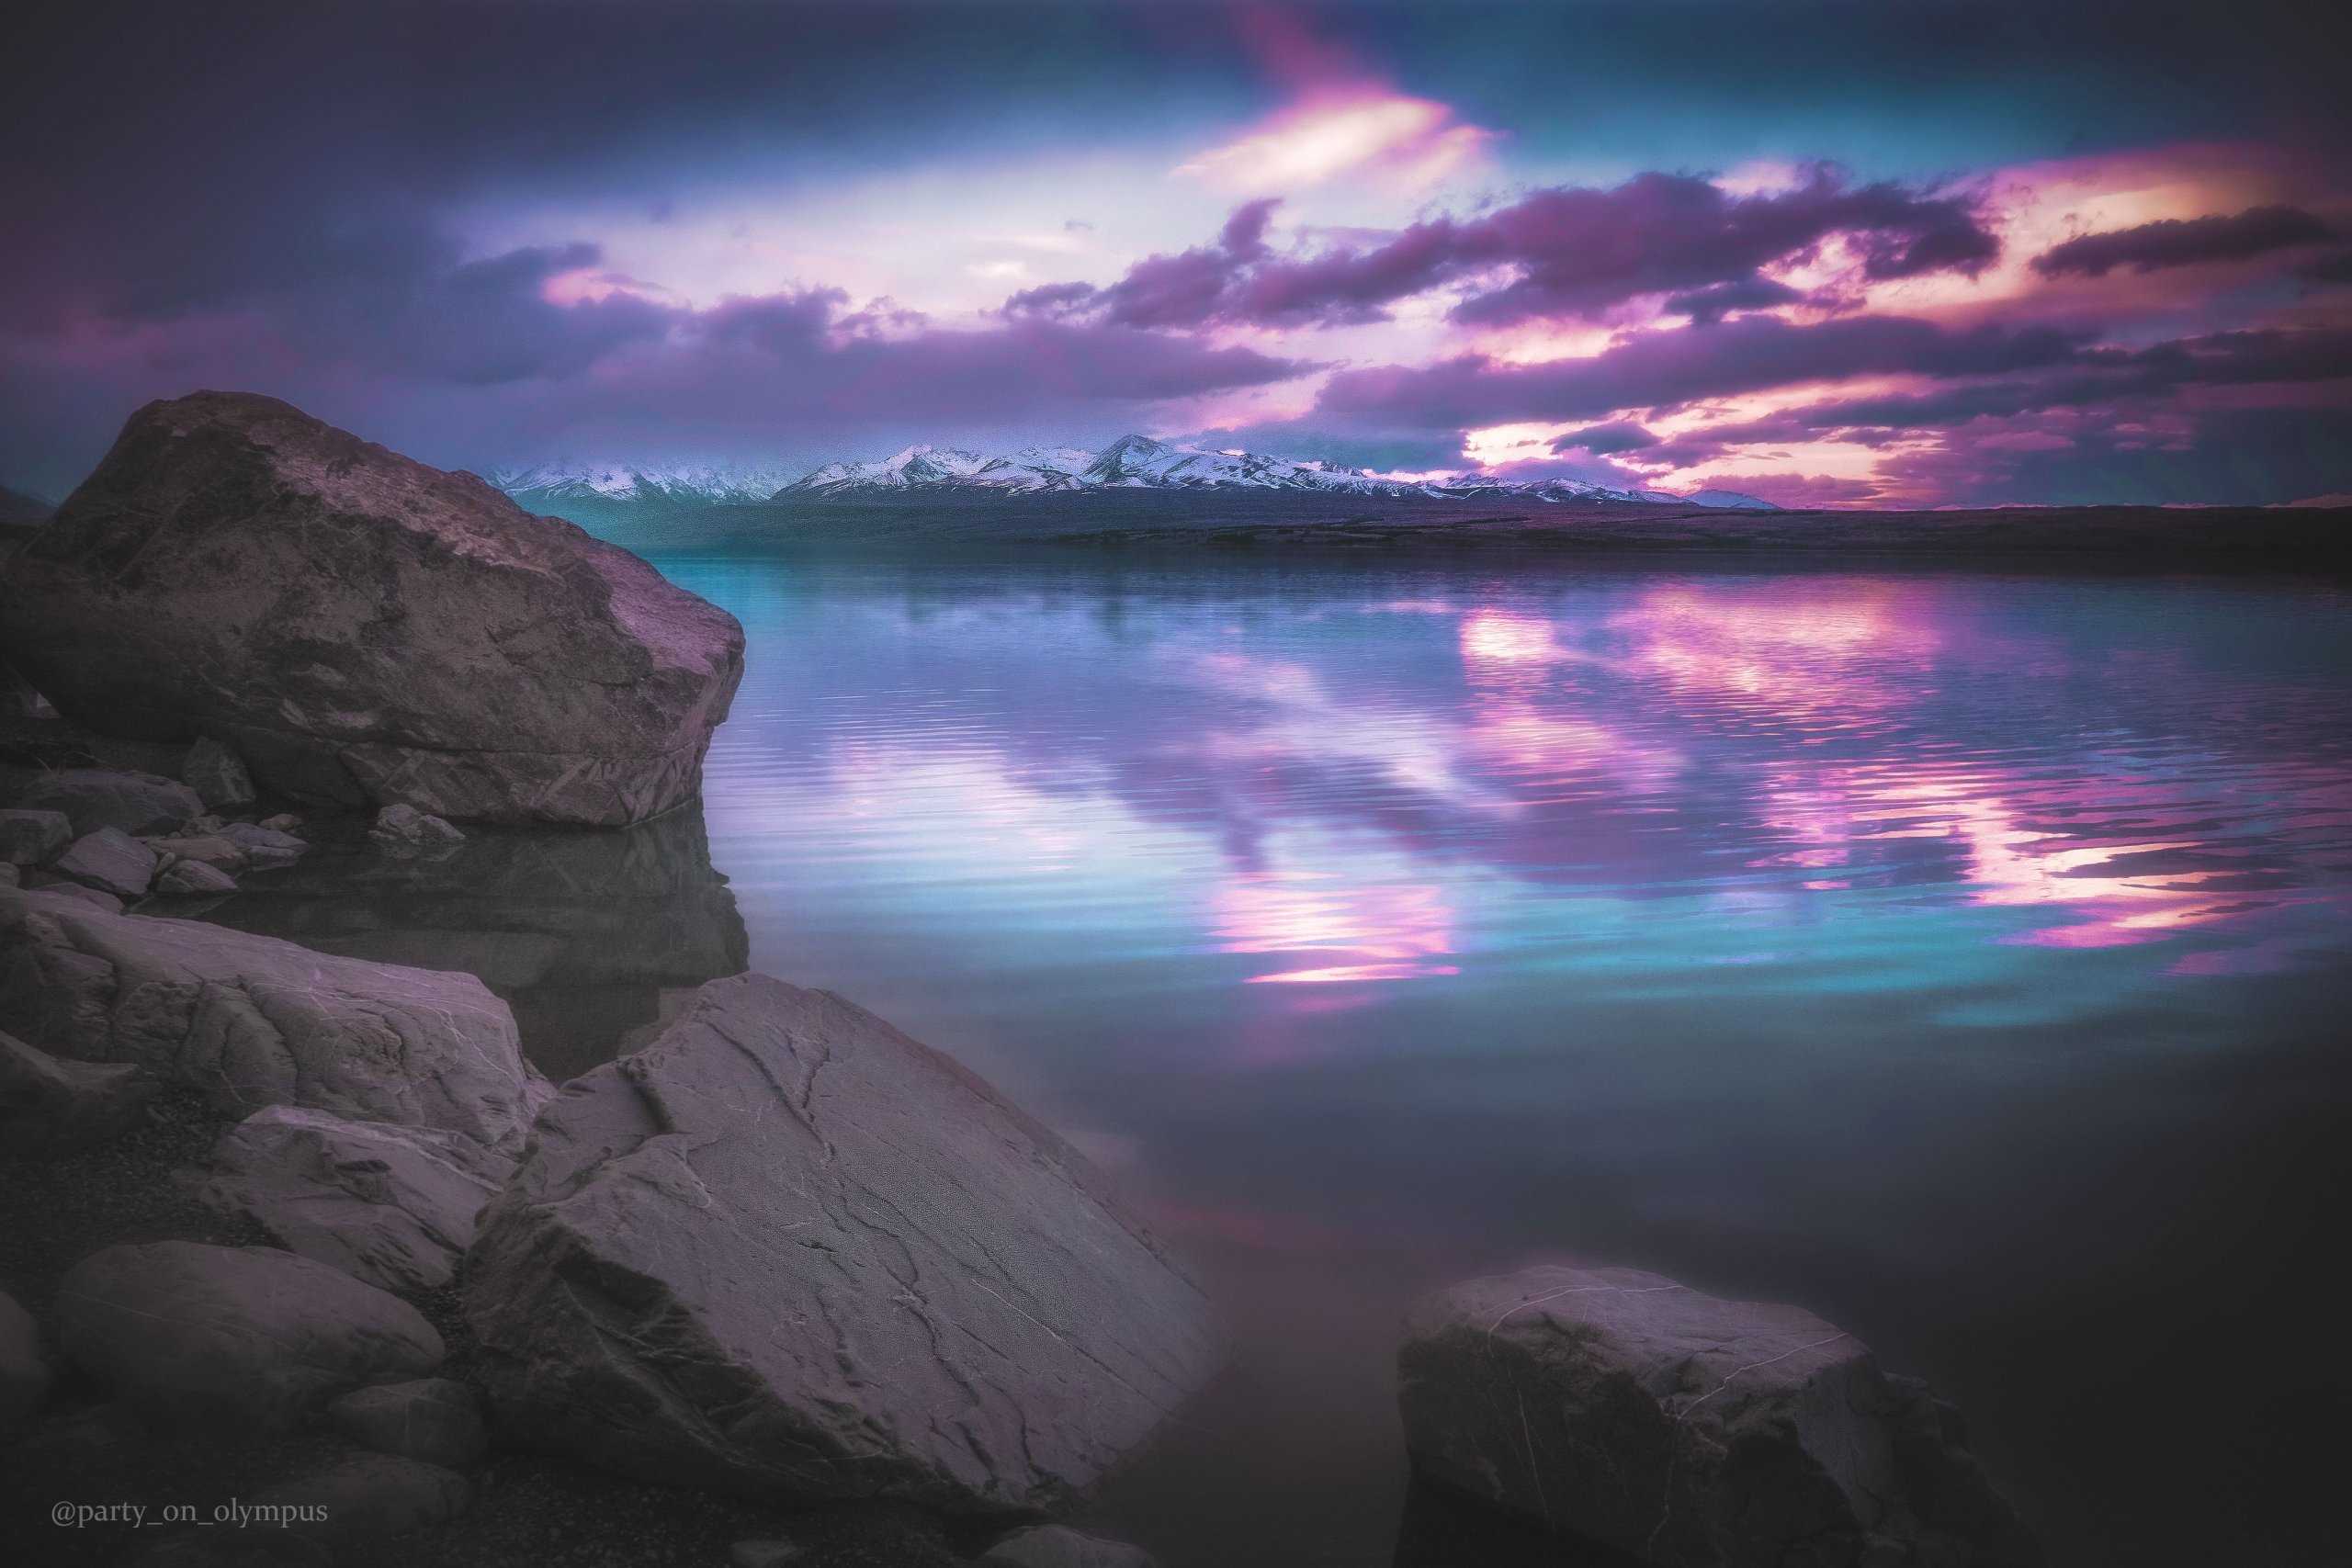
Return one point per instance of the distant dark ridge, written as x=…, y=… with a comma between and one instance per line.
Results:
x=2127, y=537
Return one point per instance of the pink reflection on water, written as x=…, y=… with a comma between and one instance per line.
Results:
x=1380, y=931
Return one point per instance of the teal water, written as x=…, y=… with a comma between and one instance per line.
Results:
x=1962, y=956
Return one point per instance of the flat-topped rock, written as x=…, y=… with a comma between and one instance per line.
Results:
x=253, y=1021
x=362, y=629
x=787, y=1250
x=1688, y=1431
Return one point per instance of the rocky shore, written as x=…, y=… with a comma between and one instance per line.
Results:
x=392, y=1183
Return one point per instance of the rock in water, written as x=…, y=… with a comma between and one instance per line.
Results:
x=193, y=878
x=246, y=1338
x=393, y=1206
x=788, y=1251
x=362, y=629
x=406, y=830
x=1688, y=1431
x=109, y=860
x=251, y=1022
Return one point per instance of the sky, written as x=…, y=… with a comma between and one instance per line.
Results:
x=1906, y=252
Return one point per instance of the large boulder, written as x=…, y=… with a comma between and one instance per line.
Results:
x=109, y=860
x=1691, y=1432
x=247, y=1340
x=93, y=798
x=30, y=837
x=788, y=1251
x=254, y=1021
x=53, y=1106
x=362, y=629
x=391, y=1205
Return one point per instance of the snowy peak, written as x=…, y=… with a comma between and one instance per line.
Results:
x=676, y=484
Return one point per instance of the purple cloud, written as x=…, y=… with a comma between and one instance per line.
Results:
x=2185, y=242
x=1571, y=251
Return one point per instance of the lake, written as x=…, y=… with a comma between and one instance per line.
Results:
x=1960, y=955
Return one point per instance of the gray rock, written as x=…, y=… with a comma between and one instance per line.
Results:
x=218, y=775
x=28, y=838
x=50, y=1106
x=193, y=877
x=93, y=798
x=393, y=1206
x=367, y=1498
x=253, y=1021
x=245, y=1339
x=205, y=849
x=1058, y=1546
x=64, y=887
x=364, y=629
x=1684, y=1431
x=264, y=847
x=109, y=860
x=25, y=1371
x=787, y=1250
x=432, y=1420
x=283, y=822
x=403, y=829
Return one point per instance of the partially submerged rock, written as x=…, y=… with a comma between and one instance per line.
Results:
x=787, y=1250
x=52, y=1106
x=393, y=1206
x=1684, y=1430
x=432, y=1420
x=93, y=798
x=406, y=830
x=264, y=847
x=193, y=878
x=245, y=1339
x=109, y=860
x=362, y=629
x=253, y=1021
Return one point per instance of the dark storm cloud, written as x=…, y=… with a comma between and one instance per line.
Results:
x=1669, y=368
x=1569, y=252
x=1606, y=440
x=2185, y=242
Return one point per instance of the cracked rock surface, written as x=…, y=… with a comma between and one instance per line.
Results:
x=393, y=1206
x=242, y=1339
x=253, y=1021
x=1691, y=1432
x=362, y=629
x=788, y=1251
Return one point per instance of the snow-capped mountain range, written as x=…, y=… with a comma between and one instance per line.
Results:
x=1132, y=462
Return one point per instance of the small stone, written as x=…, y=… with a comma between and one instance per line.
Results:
x=28, y=838
x=283, y=822
x=101, y=797
x=24, y=1370
x=763, y=1554
x=109, y=860
x=189, y=877
x=218, y=775
x=1057, y=1546
x=264, y=847
x=406, y=830
x=433, y=1420
x=232, y=1339
x=51, y=1105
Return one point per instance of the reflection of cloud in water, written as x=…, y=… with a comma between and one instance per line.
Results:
x=1387, y=931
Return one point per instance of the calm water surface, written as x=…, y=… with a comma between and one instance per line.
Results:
x=1963, y=957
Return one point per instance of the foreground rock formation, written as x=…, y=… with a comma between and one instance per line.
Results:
x=788, y=1251
x=364, y=630
x=1691, y=1432
x=251, y=1022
